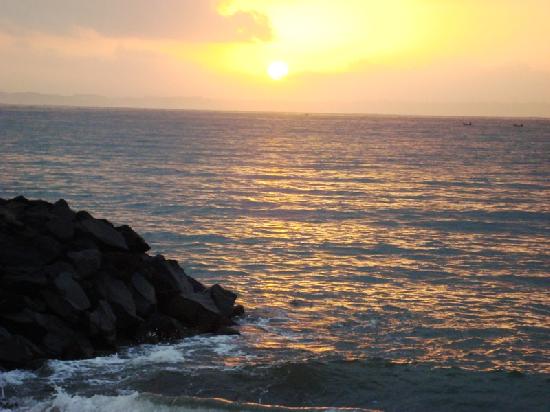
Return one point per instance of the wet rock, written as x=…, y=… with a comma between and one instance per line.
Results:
x=195, y=310
x=122, y=264
x=61, y=228
x=144, y=295
x=144, y=288
x=74, y=286
x=57, y=267
x=62, y=210
x=119, y=296
x=23, y=281
x=103, y=322
x=169, y=277
x=159, y=327
x=86, y=262
x=104, y=232
x=17, y=352
x=61, y=307
x=72, y=291
x=224, y=299
x=238, y=310
x=22, y=323
x=134, y=241
x=20, y=251
x=61, y=340
x=227, y=330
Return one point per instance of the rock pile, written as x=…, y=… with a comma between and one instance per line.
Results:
x=72, y=286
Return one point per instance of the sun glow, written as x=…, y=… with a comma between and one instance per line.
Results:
x=277, y=70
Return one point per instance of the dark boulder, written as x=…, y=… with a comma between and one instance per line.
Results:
x=196, y=310
x=169, y=277
x=86, y=262
x=159, y=327
x=144, y=287
x=122, y=264
x=62, y=210
x=22, y=323
x=238, y=310
x=21, y=280
x=61, y=228
x=119, y=296
x=224, y=299
x=72, y=291
x=103, y=322
x=61, y=340
x=144, y=295
x=73, y=286
x=134, y=241
x=17, y=352
x=61, y=307
x=57, y=267
x=104, y=232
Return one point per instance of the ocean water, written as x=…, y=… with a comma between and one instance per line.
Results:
x=386, y=263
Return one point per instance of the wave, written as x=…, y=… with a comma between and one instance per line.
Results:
x=136, y=402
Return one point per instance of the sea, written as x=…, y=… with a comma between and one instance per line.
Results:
x=386, y=263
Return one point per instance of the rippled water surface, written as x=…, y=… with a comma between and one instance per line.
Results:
x=371, y=252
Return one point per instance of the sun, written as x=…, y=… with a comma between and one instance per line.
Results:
x=277, y=70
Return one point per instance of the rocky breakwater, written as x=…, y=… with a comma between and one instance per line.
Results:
x=72, y=286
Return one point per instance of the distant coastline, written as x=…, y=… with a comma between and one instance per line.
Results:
x=535, y=110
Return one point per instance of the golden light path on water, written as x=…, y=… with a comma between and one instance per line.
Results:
x=414, y=240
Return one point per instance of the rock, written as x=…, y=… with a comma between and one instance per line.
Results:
x=62, y=210
x=86, y=262
x=119, y=296
x=169, y=278
x=196, y=310
x=57, y=267
x=224, y=299
x=134, y=241
x=4, y=333
x=238, y=310
x=26, y=250
x=17, y=352
x=61, y=340
x=22, y=323
x=49, y=247
x=227, y=330
x=74, y=286
x=23, y=281
x=59, y=306
x=9, y=217
x=122, y=264
x=159, y=327
x=144, y=288
x=104, y=232
x=195, y=284
x=103, y=322
x=144, y=295
x=72, y=291
x=61, y=228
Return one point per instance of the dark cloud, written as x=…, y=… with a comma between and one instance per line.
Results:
x=188, y=20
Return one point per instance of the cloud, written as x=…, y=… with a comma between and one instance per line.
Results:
x=182, y=20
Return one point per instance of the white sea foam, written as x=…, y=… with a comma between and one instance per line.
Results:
x=15, y=377
x=164, y=354
x=62, y=401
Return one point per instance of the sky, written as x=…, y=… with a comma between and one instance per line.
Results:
x=417, y=56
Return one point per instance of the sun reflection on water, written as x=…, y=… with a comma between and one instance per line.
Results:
x=407, y=239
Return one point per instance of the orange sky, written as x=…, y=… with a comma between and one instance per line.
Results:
x=347, y=55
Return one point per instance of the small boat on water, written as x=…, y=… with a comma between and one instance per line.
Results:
x=467, y=123
x=518, y=124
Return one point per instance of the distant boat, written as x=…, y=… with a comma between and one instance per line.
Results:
x=467, y=123
x=518, y=124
